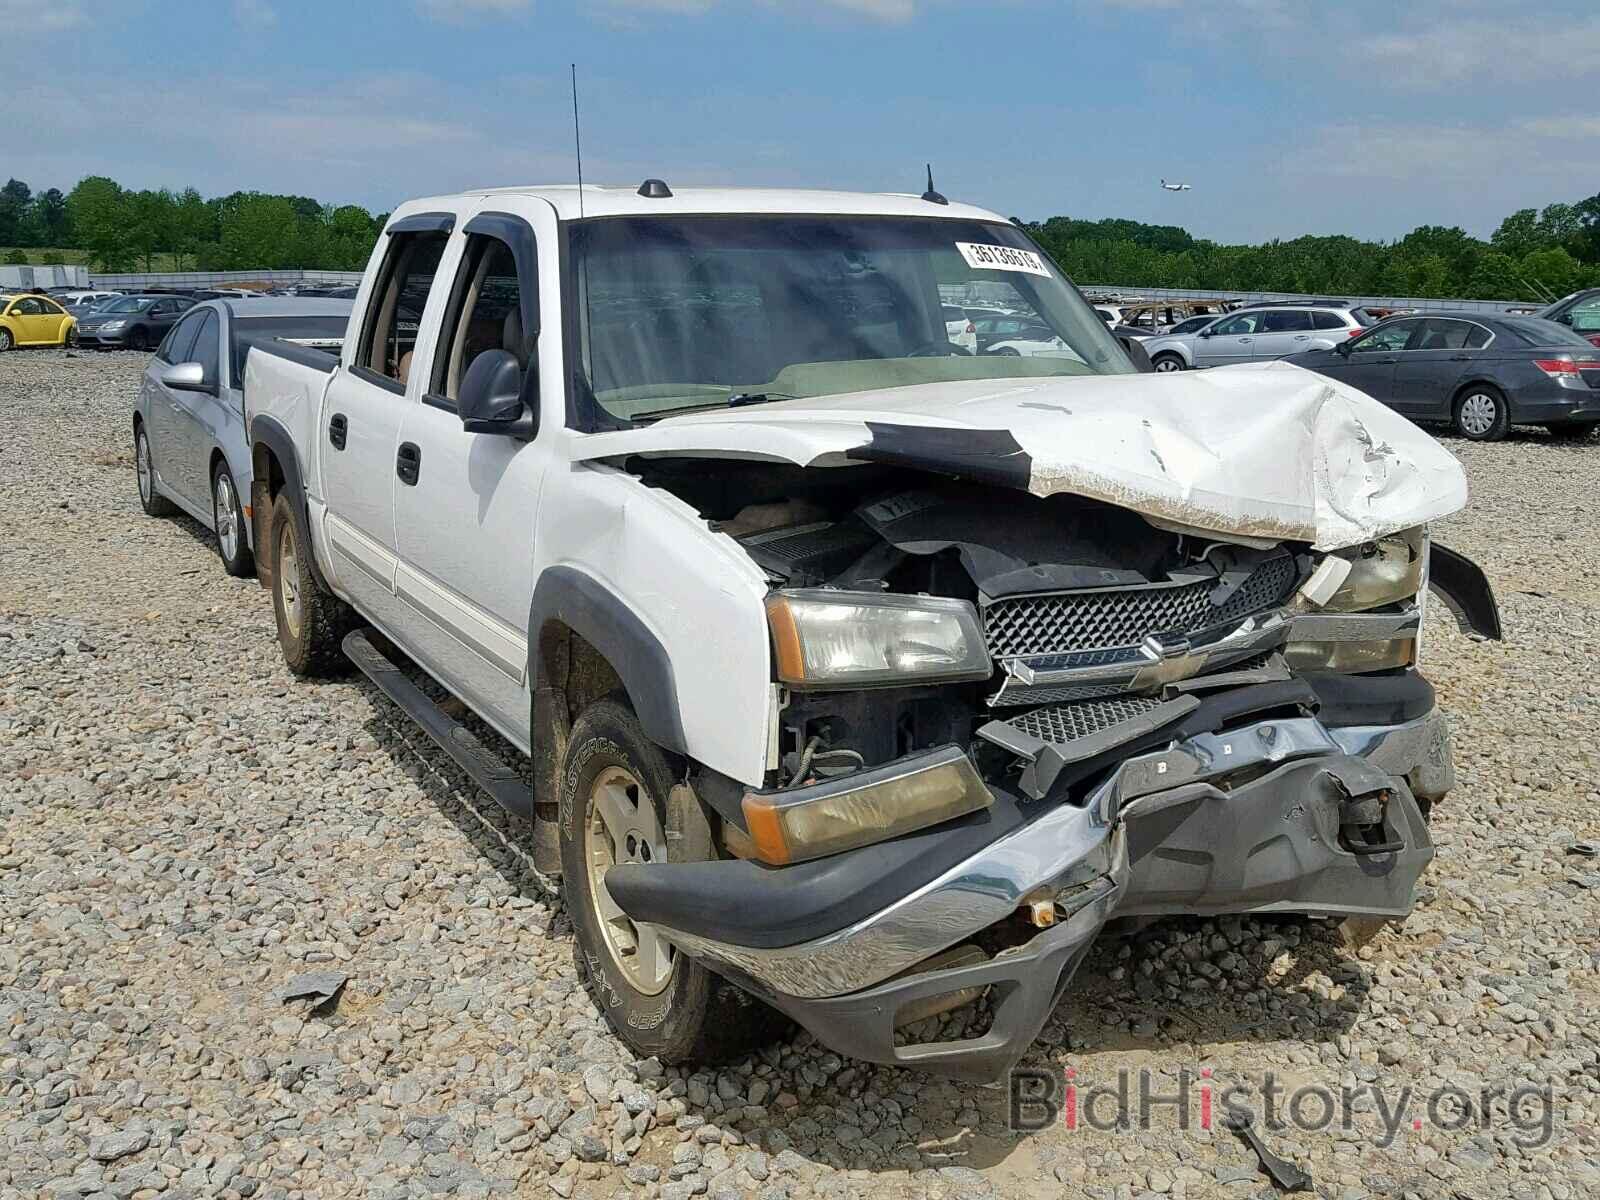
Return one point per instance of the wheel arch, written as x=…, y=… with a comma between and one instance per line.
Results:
x=275, y=470
x=1463, y=386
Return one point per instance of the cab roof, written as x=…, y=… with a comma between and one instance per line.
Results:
x=607, y=200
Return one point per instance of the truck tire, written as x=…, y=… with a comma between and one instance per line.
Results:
x=619, y=804
x=311, y=622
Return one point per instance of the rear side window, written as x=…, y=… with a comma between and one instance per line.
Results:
x=1327, y=320
x=1286, y=320
x=389, y=335
x=1477, y=337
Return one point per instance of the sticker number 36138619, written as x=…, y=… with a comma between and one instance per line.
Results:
x=1002, y=258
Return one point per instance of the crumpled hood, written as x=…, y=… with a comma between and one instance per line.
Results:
x=1265, y=450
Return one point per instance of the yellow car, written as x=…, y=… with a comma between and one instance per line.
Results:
x=35, y=321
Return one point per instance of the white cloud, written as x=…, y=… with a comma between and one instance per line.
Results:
x=27, y=18
x=460, y=11
x=255, y=14
x=1442, y=49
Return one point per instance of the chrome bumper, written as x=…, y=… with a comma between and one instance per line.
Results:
x=1071, y=850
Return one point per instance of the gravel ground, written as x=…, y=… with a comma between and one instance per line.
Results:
x=184, y=828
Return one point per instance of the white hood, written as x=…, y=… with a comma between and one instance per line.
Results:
x=1264, y=450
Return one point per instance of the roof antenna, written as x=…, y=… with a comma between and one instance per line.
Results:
x=931, y=196
x=577, y=138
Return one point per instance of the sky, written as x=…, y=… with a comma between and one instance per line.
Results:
x=1286, y=117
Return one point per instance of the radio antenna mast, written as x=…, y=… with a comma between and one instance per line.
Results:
x=577, y=137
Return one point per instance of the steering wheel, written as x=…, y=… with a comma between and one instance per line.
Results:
x=938, y=350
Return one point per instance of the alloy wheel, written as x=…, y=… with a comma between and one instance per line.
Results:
x=227, y=516
x=146, y=472
x=288, y=575
x=623, y=827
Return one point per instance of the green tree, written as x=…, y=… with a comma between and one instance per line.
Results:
x=17, y=258
x=194, y=224
x=1553, y=269
x=48, y=217
x=13, y=212
x=151, y=223
x=1495, y=278
x=98, y=209
x=257, y=231
x=1520, y=234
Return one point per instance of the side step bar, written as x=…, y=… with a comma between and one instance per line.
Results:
x=454, y=738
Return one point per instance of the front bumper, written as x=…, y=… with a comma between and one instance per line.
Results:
x=1242, y=821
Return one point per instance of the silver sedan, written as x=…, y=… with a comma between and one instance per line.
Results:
x=191, y=449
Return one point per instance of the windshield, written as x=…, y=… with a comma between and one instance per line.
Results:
x=678, y=313
x=127, y=305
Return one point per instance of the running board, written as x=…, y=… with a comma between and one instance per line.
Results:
x=488, y=771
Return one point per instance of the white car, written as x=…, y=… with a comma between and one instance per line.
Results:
x=859, y=675
x=959, y=328
x=1253, y=335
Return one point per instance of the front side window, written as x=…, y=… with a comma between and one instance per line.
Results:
x=1386, y=340
x=29, y=306
x=485, y=314
x=389, y=337
x=180, y=338
x=677, y=313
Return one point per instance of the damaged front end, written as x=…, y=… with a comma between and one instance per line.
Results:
x=1005, y=719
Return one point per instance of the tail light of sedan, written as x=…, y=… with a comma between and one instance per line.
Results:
x=1566, y=371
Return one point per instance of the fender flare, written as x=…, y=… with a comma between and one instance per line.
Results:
x=269, y=432
x=604, y=620
x=1461, y=584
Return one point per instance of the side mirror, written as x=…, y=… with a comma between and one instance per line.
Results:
x=1140, y=357
x=187, y=377
x=1205, y=333
x=1343, y=348
x=491, y=396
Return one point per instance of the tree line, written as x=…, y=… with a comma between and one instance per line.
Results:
x=120, y=229
x=1533, y=254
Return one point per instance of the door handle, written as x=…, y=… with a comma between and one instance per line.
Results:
x=338, y=430
x=1243, y=340
x=1302, y=337
x=1459, y=357
x=408, y=463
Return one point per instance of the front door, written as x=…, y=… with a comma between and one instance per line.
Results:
x=192, y=415
x=1373, y=357
x=1428, y=368
x=466, y=519
x=359, y=430
x=164, y=406
x=1229, y=341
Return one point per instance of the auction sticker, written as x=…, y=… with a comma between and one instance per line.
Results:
x=1002, y=258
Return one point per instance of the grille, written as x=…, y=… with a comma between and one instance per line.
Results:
x=1108, y=617
x=1062, y=723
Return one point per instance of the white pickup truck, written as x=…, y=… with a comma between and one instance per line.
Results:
x=864, y=676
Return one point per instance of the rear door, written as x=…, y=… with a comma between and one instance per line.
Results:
x=1433, y=362
x=358, y=433
x=1284, y=331
x=1230, y=340
x=466, y=517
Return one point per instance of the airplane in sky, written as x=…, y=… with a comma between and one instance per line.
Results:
x=1175, y=187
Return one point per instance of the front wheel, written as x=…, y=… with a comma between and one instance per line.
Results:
x=619, y=805
x=1481, y=414
x=152, y=501
x=1167, y=362
x=6, y=340
x=311, y=622
x=138, y=340
x=227, y=518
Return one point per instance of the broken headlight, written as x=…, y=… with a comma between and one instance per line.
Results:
x=1386, y=571
x=835, y=639
x=1389, y=571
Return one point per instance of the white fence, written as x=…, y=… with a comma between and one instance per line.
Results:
x=1133, y=291
x=128, y=281
x=25, y=278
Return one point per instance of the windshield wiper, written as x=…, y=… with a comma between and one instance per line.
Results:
x=740, y=399
x=737, y=400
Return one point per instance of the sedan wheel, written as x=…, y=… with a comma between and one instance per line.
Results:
x=227, y=515
x=1168, y=362
x=152, y=501
x=1481, y=415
